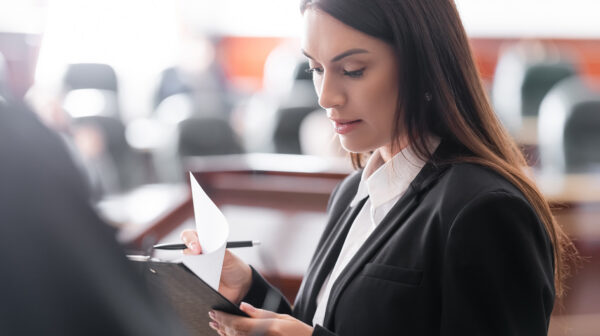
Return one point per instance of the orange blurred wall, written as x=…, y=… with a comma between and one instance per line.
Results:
x=243, y=58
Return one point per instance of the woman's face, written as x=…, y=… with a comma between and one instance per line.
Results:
x=356, y=78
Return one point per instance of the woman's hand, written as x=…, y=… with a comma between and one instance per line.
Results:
x=236, y=275
x=261, y=322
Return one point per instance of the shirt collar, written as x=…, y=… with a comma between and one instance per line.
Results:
x=383, y=181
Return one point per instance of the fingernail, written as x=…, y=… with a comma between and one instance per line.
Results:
x=214, y=325
x=211, y=314
x=196, y=247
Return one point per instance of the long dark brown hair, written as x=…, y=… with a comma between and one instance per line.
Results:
x=441, y=93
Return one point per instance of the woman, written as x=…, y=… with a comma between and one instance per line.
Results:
x=442, y=232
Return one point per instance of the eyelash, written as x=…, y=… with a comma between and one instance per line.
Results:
x=354, y=74
x=313, y=70
x=351, y=74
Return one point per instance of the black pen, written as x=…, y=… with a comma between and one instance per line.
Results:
x=231, y=244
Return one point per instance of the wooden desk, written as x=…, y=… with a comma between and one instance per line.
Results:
x=572, y=189
x=146, y=212
x=279, y=181
x=289, y=183
x=577, y=210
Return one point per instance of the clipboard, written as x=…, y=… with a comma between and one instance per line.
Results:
x=190, y=297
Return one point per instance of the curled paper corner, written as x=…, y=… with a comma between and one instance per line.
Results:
x=213, y=231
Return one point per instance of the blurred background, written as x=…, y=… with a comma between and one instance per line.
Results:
x=144, y=91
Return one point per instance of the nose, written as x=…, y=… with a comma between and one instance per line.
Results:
x=330, y=92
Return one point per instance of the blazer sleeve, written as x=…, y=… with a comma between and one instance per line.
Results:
x=498, y=270
x=264, y=295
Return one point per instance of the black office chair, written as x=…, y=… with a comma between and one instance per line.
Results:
x=207, y=136
x=301, y=101
x=287, y=130
x=94, y=76
x=523, y=76
x=170, y=83
x=538, y=80
x=189, y=130
x=90, y=76
x=569, y=124
x=582, y=138
x=91, y=102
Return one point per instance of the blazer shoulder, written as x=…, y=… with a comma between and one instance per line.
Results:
x=464, y=182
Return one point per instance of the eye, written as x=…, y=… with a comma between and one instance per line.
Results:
x=355, y=73
x=313, y=70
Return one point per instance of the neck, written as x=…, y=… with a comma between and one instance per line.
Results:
x=390, y=150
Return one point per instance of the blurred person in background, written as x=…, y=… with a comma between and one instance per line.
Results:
x=86, y=144
x=63, y=272
x=440, y=231
x=199, y=74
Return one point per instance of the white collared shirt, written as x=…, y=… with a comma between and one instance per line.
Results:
x=384, y=183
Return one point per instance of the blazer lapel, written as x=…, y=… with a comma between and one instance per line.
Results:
x=392, y=222
x=322, y=264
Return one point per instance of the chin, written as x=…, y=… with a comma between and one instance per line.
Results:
x=356, y=146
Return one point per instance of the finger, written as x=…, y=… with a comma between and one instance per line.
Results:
x=257, y=312
x=220, y=329
x=232, y=324
x=191, y=251
x=214, y=325
x=190, y=238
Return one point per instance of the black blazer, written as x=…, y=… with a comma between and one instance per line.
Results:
x=462, y=252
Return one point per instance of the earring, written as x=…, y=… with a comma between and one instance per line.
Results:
x=428, y=96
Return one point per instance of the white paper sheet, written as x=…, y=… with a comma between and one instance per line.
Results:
x=213, y=230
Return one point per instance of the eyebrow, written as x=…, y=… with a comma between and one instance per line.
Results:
x=342, y=55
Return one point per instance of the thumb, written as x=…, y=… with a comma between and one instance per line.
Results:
x=256, y=312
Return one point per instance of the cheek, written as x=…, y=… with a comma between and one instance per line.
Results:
x=381, y=98
x=390, y=98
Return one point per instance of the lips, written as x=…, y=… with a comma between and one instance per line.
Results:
x=345, y=126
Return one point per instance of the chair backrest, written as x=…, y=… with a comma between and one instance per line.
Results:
x=569, y=128
x=207, y=136
x=90, y=76
x=301, y=102
x=538, y=80
x=91, y=102
x=170, y=83
x=287, y=130
x=523, y=76
x=582, y=138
